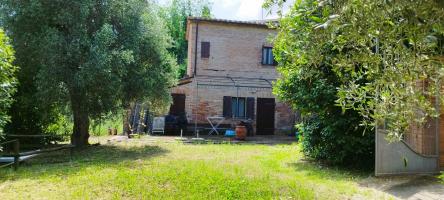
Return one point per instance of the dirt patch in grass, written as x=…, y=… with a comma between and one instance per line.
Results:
x=407, y=187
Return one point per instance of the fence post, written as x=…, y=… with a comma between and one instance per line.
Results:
x=16, y=154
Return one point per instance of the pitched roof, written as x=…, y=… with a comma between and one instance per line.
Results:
x=262, y=23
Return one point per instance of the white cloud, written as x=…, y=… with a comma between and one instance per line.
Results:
x=238, y=9
x=250, y=9
x=226, y=3
x=243, y=9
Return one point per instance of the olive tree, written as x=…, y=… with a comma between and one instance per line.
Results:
x=389, y=55
x=94, y=56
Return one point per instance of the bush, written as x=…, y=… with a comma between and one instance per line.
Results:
x=328, y=133
x=337, y=139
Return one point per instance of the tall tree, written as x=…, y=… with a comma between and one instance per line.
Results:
x=7, y=78
x=389, y=60
x=93, y=55
x=310, y=86
x=176, y=13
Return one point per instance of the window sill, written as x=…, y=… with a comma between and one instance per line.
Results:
x=239, y=118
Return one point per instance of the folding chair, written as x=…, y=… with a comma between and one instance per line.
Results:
x=158, y=125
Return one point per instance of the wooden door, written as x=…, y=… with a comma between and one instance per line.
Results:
x=265, y=116
x=178, y=106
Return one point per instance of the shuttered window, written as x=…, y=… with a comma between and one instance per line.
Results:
x=205, y=50
x=227, y=111
x=238, y=107
x=250, y=107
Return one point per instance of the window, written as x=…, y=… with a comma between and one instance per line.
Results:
x=238, y=107
x=267, y=56
x=205, y=50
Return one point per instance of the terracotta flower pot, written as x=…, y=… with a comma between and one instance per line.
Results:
x=241, y=132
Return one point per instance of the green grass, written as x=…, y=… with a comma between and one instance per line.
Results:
x=100, y=128
x=159, y=170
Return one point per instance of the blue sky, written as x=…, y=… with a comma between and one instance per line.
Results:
x=239, y=9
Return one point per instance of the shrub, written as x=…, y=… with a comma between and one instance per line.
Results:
x=337, y=139
x=328, y=133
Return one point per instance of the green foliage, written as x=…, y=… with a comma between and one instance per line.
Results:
x=176, y=14
x=7, y=78
x=328, y=134
x=94, y=56
x=400, y=54
x=338, y=140
x=111, y=121
x=63, y=124
x=389, y=54
x=310, y=85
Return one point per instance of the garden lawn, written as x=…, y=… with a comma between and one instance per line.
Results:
x=146, y=169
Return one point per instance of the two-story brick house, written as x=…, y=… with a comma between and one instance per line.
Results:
x=230, y=73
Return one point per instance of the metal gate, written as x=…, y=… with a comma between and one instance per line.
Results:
x=417, y=153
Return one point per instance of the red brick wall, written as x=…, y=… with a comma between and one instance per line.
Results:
x=210, y=103
x=235, y=51
x=441, y=138
x=422, y=137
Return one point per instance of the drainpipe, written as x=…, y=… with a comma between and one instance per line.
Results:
x=438, y=130
x=195, y=48
x=195, y=78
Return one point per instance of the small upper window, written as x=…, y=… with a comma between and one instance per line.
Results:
x=205, y=50
x=267, y=56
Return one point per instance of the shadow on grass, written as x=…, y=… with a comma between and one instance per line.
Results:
x=60, y=163
x=334, y=173
x=404, y=186
x=257, y=140
x=408, y=187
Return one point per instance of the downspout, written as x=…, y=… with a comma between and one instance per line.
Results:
x=195, y=48
x=376, y=129
x=438, y=130
x=195, y=78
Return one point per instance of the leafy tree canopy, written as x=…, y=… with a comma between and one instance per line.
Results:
x=7, y=78
x=328, y=134
x=176, y=13
x=94, y=56
x=389, y=55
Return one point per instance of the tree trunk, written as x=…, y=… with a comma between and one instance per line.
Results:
x=127, y=112
x=126, y=123
x=80, y=134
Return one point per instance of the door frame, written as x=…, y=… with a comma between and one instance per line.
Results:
x=175, y=97
x=266, y=116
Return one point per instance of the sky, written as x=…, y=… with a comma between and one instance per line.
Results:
x=240, y=9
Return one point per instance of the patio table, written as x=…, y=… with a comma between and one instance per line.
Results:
x=215, y=122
